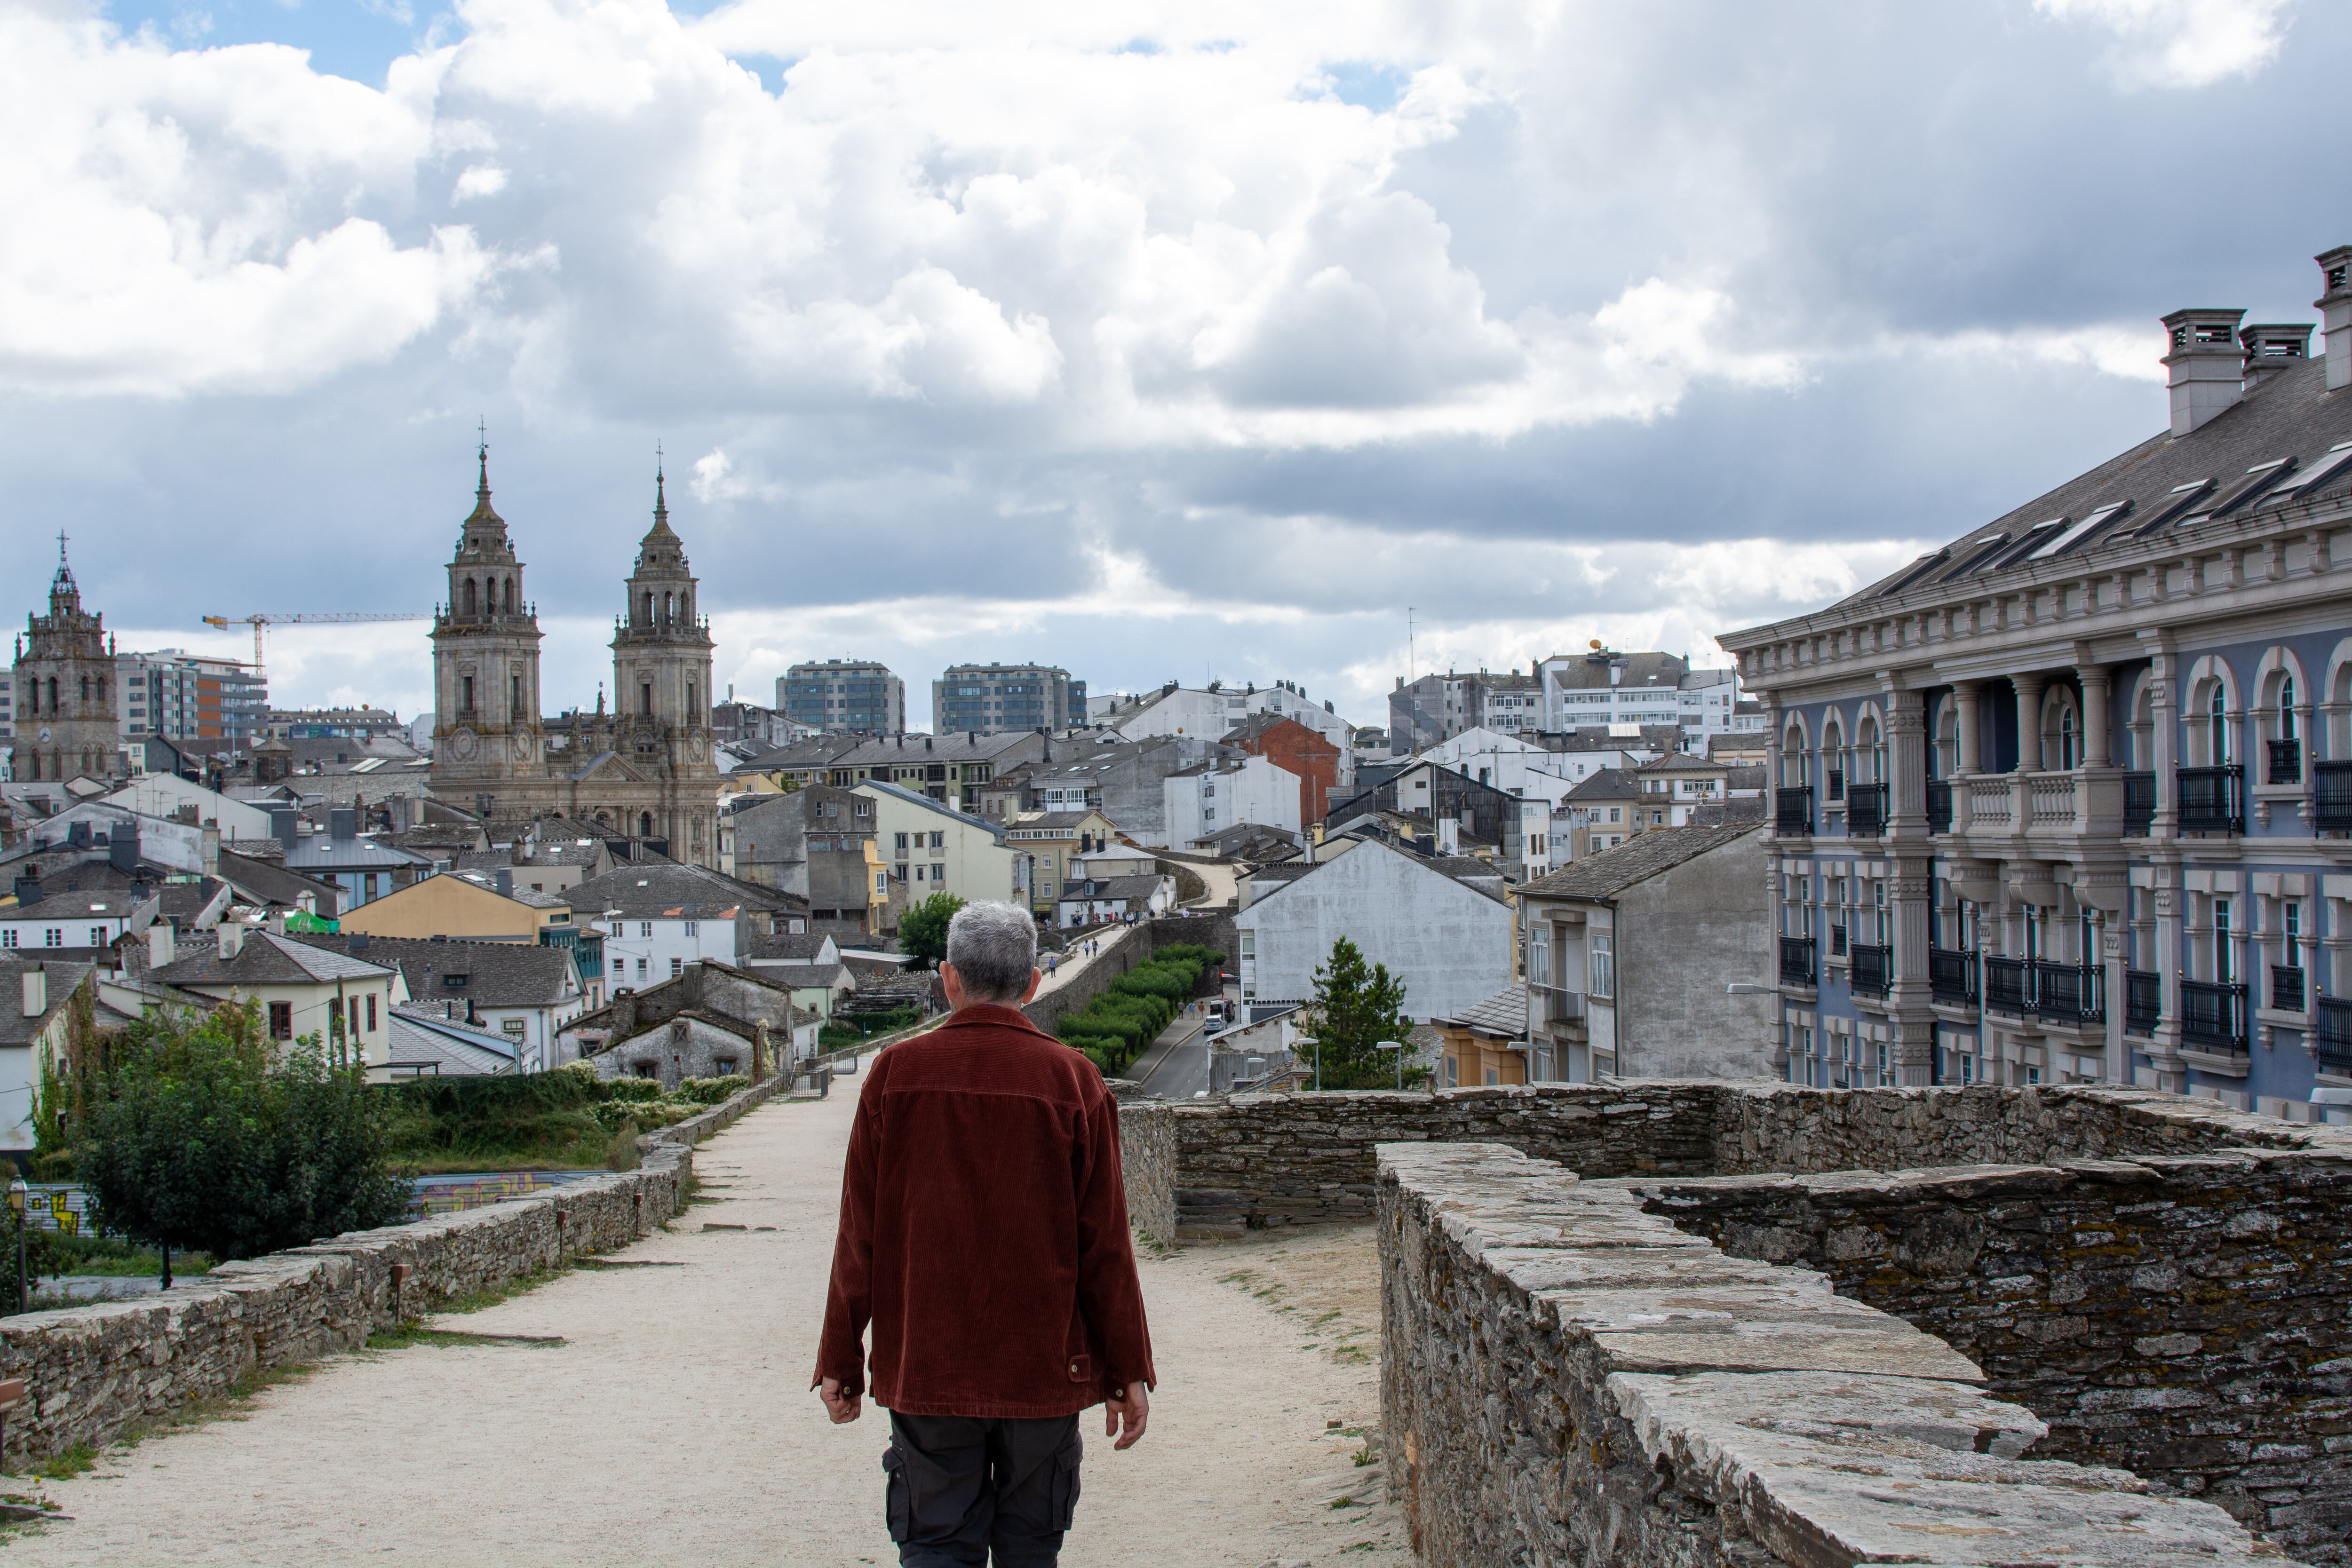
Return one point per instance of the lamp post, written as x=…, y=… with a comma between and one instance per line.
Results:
x=1318, y=1044
x=1397, y=1046
x=17, y=1193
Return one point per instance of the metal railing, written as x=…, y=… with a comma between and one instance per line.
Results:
x=2334, y=1035
x=1874, y=969
x=1562, y=1006
x=2212, y=799
x=2008, y=985
x=2143, y=1000
x=1792, y=810
x=2054, y=992
x=1952, y=975
x=2285, y=761
x=1939, y=806
x=2332, y=797
x=1866, y=811
x=2213, y=1016
x=2139, y=803
x=2286, y=987
x=1796, y=961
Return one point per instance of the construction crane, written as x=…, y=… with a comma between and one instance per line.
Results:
x=330, y=618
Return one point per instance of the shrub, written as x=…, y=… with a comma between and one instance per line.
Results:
x=632, y=1088
x=711, y=1091
x=621, y=1154
x=923, y=928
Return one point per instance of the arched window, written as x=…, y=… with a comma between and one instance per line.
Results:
x=85, y=688
x=2217, y=709
x=53, y=694
x=2069, y=742
x=649, y=606
x=666, y=610
x=1792, y=755
x=645, y=824
x=1944, y=757
x=1832, y=761
x=645, y=698
x=33, y=760
x=1870, y=754
x=473, y=601
x=2287, y=730
x=690, y=702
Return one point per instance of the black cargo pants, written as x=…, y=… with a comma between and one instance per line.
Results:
x=960, y=1487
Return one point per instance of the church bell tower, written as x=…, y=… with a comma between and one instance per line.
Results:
x=485, y=728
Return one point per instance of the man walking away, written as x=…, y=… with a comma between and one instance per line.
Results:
x=983, y=1234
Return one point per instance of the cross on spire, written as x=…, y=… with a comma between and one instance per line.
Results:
x=661, y=501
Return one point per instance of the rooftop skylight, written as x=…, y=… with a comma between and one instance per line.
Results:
x=2081, y=531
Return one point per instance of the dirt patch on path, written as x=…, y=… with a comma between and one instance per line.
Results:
x=673, y=1424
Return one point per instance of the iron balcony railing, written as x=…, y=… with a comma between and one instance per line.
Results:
x=2139, y=804
x=1792, y=811
x=2286, y=762
x=2212, y=799
x=1866, y=811
x=1562, y=1007
x=1939, y=806
x=2054, y=992
x=1874, y=969
x=2335, y=1035
x=2286, y=987
x=1796, y=961
x=2332, y=808
x=1952, y=975
x=2213, y=1016
x=2143, y=1000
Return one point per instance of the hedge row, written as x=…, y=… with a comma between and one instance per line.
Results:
x=1113, y=1028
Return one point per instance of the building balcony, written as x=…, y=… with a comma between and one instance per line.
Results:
x=2212, y=799
x=2334, y=1036
x=2213, y=1017
x=2332, y=805
x=2069, y=994
x=1873, y=969
x=2008, y=987
x=1866, y=811
x=2287, y=988
x=1952, y=975
x=2286, y=762
x=1561, y=1007
x=1796, y=966
x=1793, y=812
x=2143, y=1001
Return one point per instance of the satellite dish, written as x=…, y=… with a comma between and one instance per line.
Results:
x=1595, y=644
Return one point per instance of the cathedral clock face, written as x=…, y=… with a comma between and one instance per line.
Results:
x=462, y=743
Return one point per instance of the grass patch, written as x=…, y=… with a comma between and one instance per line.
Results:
x=569, y=1119
x=118, y=1258
x=83, y=1456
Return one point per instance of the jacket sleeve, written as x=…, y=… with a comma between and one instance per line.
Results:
x=1111, y=1294
x=849, y=1300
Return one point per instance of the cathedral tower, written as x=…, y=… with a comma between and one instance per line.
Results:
x=661, y=686
x=65, y=719
x=486, y=730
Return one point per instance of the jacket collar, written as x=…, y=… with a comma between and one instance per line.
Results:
x=994, y=1015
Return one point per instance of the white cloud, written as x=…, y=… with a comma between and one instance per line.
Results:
x=481, y=180
x=2182, y=43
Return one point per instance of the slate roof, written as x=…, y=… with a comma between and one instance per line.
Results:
x=792, y=946
x=268, y=959
x=1502, y=1015
x=665, y=889
x=1052, y=820
x=808, y=976
x=448, y=1048
x=1608, y=784
x=1132, y=888
x=915, y=798
x=318, y=851
x=16, y=1029
x=2289, y=415
x=267, y=883
x=1652, y=672
x=1610, y=872
x=72, y=886
x=1746, y=808
x=1681, y=762
x=495, y=974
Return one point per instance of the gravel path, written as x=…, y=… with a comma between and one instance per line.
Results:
x=674, y=1425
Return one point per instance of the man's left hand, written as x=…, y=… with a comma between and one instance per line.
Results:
x=1135, y=1407
x=842, y=1407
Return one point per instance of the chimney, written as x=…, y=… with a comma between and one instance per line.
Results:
x=122, y=847
x=504, y=878
x=208, y=837
x=37, y=992
x=2205, y=364
x=232, y=940
x=281, y=821
x=2269, y=348
x=28, y=886
x=342, y=823
x=358, y=944
x=162, y=944
x=2335, y=315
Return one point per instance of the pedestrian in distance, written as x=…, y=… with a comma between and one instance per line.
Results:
x=983, y=1239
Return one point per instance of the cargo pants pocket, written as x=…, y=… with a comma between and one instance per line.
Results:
x=897, y=1504
x=1064, y=1503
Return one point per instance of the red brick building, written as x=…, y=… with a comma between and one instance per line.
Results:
x=1295, y=748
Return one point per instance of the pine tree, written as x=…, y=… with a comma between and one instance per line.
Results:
x=1353, y=1009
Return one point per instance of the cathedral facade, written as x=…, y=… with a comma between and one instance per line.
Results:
x=645, y=769
x=64, y=690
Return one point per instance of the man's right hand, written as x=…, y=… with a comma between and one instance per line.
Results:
x=1135, y=1407
x=843, y=1407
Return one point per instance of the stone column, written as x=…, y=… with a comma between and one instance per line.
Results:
x=2097, y=717
x=1906, y=752
x=2164, y=724
x=1965, y=698
x=2029, y=728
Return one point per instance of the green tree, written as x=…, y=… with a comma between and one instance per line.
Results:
x=213, y=1138
x=1353, y=1009
x=923, y=929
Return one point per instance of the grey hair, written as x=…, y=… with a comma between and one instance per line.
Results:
x=994, y=949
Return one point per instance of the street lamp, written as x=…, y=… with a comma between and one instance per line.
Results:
x=17, y=1193
x=1318, y=1044
x=1397, y=1046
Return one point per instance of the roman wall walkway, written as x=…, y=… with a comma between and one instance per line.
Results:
x=672, y=1422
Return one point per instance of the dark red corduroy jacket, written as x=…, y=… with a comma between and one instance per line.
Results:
x=984, y=1229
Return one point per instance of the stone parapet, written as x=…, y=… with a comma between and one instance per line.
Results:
x=1570, y=1379
x=95, y=1372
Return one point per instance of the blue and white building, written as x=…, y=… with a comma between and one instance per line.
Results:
x=2070, y=800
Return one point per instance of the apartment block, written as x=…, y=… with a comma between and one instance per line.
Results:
x=993, y=699
x=844, y=697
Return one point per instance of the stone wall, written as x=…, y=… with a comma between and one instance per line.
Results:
x=93, y=1373
x=1567, y=1379
x=2182, y=1317
x=1146, y=1150
x=1123, y=948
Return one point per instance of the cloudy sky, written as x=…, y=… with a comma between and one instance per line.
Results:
x=1157, y=341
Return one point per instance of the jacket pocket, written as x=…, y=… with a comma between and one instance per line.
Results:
x=897, y=1504
x=1066, y=1478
